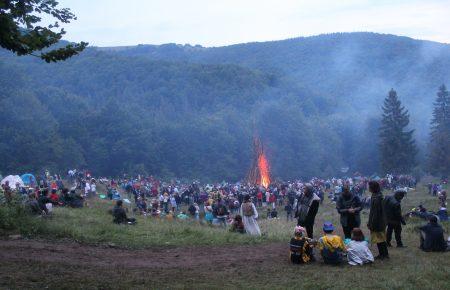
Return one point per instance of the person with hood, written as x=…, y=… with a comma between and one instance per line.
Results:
x=307, y=208
x=377, y=220
x=394, y=218
x=249, y=216
x=432, y=236
x=301, y=248
x=349, y=206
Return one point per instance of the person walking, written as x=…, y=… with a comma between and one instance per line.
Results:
x=394, y=218
x=349, y=207
x=377, y=220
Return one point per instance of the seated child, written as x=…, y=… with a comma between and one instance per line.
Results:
x=331, y=246
x=301, y=247
x=358, y=252
x=237, y=225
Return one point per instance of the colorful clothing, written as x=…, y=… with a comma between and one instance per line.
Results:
x=377, y=237
x=331, y=247
x=300, y=250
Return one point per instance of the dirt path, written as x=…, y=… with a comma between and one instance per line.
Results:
x=71, y=253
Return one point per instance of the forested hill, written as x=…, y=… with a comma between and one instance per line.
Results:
x=342, y=66
x=190, y=111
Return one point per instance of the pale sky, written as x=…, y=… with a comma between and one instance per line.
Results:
x=224, y=22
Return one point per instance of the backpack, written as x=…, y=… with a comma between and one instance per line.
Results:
x=247, y=209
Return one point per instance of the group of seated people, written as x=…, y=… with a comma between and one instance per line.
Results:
x=43, y=202
x=334, y=250
x=331, y=247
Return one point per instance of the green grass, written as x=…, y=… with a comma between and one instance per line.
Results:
x=408, y=268
x=93, y=225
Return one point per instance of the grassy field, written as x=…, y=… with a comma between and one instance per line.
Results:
x=93, y=225
x=219, y=259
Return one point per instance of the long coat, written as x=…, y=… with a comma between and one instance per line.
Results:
x=377, y=216
x=343, y=205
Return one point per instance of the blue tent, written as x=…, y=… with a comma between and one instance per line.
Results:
x=28, y=179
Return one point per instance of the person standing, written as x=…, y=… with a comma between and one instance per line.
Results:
x=394, y=218
x=93, y=188
x=221, y=213
x=87, y=189
x=249, y=214
x=307, y=208
x=288, y=209
x=377, y=220
x=349, y=207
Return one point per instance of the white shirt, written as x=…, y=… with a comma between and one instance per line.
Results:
x=358, y=253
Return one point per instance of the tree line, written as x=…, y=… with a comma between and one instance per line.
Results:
x=398, y=150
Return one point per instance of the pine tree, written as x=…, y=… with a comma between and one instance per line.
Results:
x=397, y=146
x=439, y=147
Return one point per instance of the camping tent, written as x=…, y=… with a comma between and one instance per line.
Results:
x=13, y=180
x=28, y=179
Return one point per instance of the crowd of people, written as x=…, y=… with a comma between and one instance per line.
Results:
x=235, y=206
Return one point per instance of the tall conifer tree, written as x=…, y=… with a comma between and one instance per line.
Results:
x=439, y=147
x=397, y=146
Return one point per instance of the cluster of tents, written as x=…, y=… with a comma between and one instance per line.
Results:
x=26, y=179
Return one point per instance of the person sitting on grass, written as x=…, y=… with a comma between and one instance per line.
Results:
x=274, y=214
x=45, y=202
x=358, y=252
x=331, y=246
x=301, y=247
x=33, y=205
x=432, y=236
x=54, y=197
x=237, y=226
x=120, y=216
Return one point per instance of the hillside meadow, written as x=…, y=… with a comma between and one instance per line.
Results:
x=175, y=254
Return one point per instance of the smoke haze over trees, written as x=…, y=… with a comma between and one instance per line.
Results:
x=189, y=111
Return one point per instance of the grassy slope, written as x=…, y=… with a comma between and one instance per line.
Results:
x=408, y=268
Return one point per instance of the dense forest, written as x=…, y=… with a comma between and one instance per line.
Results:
x=190, y=111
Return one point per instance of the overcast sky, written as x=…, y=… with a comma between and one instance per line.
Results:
x=223, y=22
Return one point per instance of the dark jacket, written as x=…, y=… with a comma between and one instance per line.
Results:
x=119, y=214
x=393, y=210
x=312, y=212
x=345, y=203
x=434, y=238
x=377, y=218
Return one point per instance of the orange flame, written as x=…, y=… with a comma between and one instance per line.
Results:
x=264, y=171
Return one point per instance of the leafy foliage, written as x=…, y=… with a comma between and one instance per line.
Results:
x=21, y=33
x=190, y=111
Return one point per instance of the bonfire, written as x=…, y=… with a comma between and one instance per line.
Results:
x=259, y=173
